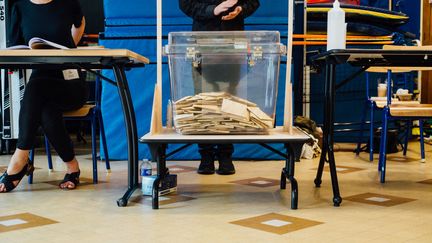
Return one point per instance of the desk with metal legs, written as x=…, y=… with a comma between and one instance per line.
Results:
x=393, y=57
x=115, y=59
x=293, y=142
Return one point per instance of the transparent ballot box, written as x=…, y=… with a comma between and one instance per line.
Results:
x=224, y=82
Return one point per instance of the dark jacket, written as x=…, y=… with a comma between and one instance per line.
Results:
x=201, y=11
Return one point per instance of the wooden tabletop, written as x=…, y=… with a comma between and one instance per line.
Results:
x=275, y=135
x=397, y=69
x=97, y=52
x=407, y=48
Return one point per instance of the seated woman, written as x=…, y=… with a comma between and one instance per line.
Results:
x=49, y=92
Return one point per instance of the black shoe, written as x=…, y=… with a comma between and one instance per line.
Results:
x=8, y=180
x=72, y=177
x=226, y=168
x=224, y=154
x=206, y=168
x=207, y=153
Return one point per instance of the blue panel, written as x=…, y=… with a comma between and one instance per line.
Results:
x=142, y=12
x=275, y=12
x=127, y=8
x=145, y=47
x=375, y=3
x=141, y=83
x=147, y=21
x=139, y=12
x=140, y=31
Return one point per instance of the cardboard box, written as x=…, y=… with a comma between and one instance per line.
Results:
x=169, y=185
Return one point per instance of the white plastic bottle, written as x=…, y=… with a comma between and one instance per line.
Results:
x=336, y=27
x=146, y=172
x=146, y=168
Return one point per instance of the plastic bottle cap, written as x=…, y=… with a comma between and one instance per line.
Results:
x=336, y=4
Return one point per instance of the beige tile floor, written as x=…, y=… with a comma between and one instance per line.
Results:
x=226, y=208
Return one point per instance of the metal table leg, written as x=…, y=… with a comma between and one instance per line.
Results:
x=131, y=133
x=328, y=134
x=290, y=165
x=162, y=171
x=288, y=174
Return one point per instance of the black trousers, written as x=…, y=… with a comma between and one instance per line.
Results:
x=216, y=71
x=47, y=95
x=223, y=152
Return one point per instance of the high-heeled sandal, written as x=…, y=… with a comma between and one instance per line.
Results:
x=72, y=177
x=8, y=180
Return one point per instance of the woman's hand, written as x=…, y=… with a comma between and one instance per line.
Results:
x=233, y=14
x=224, y=6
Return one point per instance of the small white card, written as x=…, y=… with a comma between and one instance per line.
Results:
x=70, y=74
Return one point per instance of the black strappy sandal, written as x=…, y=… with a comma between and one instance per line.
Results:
x=7, y=180
x=72, y=177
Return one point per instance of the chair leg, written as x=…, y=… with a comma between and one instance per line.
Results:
x=104, y=143
x=31, y=156
x=371, y=131
x=360, y=134
x=408, y=128
x=94, y=149
x=422, y=150
x=48, y=153
x=383, y=145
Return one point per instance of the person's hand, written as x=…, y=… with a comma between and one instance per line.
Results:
x=233, y=14
x=224, y=6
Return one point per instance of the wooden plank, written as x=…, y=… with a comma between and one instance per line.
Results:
x=397, y=69
x=408, y=48
x=156, y=118
x=414, y=110
x=99, y=52
x=275, y=134
x=288, y=115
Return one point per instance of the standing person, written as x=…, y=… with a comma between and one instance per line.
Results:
x=218, y=15
x=49, y=92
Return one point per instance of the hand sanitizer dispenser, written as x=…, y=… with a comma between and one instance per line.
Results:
x=336, y=27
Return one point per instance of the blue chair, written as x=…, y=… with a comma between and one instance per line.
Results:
x=89, y=112
x=377, y=104
x=400, y=111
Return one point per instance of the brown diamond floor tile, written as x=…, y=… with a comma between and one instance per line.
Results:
x=426, y=182
x=342, y=169
x=163, y=200
x=379, y=199
x=22, y=221
x=276, y=223
x=180, y=169
x=258, y=182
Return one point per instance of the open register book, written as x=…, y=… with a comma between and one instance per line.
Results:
x=38, y=43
